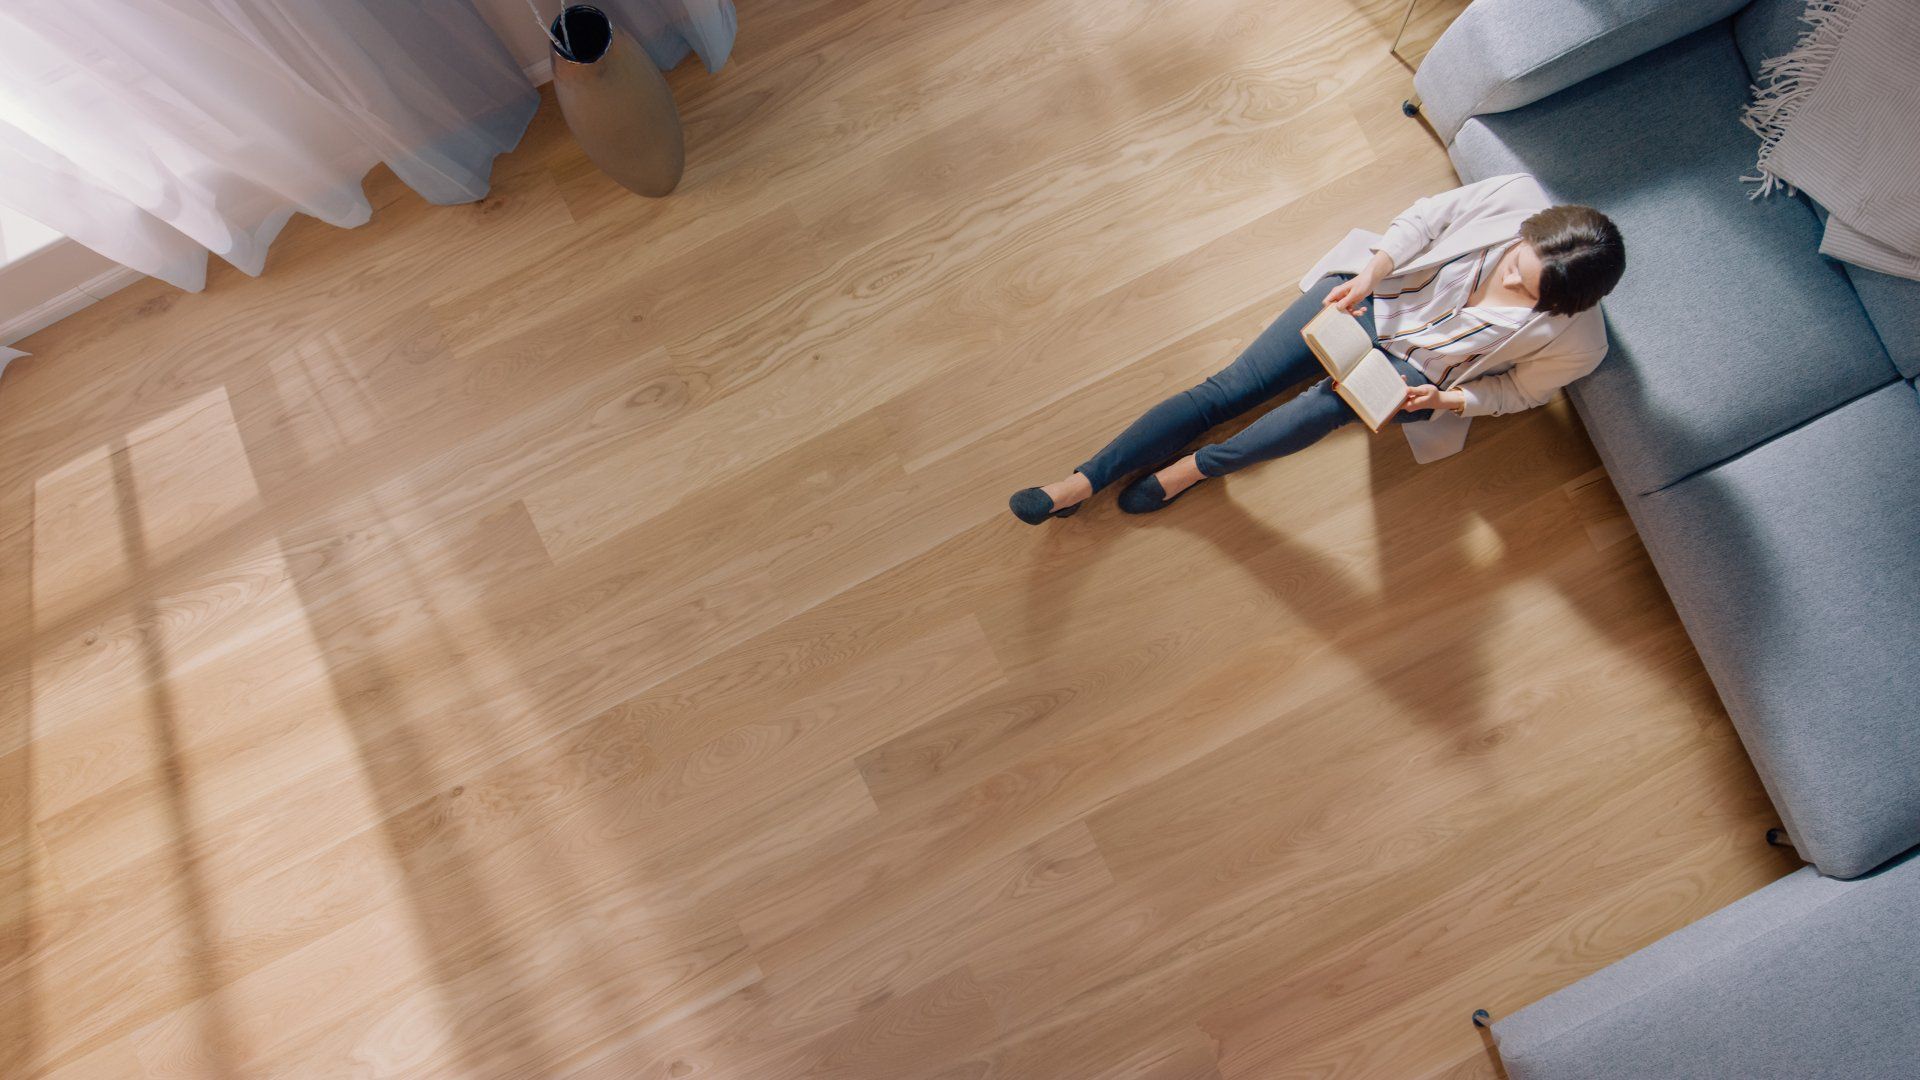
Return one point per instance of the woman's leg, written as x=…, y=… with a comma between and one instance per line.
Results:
x=1290, y=426
x=1276, y=360
x=1295, y=425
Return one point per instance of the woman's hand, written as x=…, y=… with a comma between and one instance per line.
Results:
x=1429, y=396
x=1350, y=294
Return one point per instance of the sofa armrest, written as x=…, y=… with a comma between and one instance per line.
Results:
x=1807, y=977
x=1502, y=54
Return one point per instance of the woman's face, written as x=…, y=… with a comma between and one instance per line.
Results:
x=1520, y=271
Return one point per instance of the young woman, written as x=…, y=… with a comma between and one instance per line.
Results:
x=1485, y=297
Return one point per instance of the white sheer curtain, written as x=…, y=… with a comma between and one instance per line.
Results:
x=669, y=28
x=155, y=131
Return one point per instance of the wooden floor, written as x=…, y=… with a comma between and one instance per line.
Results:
x=572, y=635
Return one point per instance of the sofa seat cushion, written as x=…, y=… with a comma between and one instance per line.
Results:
x=1796, y=569
x=1808, y=978
x=1893, y=306
x=1728, y=327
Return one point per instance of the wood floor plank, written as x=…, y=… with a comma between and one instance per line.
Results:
x=572, y=635
x=816, y=383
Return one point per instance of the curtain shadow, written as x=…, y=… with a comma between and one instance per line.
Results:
x=474, y=956
x=216, y=1031
x=428, y=715
x=450, y=900
x=519, y=889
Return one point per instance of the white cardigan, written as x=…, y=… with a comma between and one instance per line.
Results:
x=1545, y=354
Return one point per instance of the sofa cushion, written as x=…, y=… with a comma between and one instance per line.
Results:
x=1765, y=29
x=1796, y=569
x=1501, y=54
x=1728, y=327
x=1892, y=305
x=1807, y=978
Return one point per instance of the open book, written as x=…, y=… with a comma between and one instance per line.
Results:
x=1361, y=373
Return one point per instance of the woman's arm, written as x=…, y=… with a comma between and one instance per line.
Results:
x=1410, y=234
x=1528, y=384
x=1351, y=293
x=1429, y=218
x=1429, y=396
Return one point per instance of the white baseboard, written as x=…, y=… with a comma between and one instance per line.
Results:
x=17, y=325
x=14, y=327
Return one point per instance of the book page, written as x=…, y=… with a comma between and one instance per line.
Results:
x=1338, y=339
x=1374, y=389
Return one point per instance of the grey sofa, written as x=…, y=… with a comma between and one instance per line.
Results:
x=1758, y=414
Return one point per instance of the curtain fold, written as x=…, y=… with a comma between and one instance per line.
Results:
x=157, y=131
x=669, y=29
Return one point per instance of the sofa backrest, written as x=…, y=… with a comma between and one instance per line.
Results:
x=1501, y=54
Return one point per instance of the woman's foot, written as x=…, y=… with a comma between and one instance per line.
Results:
x=1158, y=489
x=1058, y=499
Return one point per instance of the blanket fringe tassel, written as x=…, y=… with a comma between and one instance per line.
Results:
x=1787, y=80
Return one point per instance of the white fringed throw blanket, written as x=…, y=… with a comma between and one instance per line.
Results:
x=1839, y=118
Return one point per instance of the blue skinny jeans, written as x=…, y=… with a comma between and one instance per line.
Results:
x=1275, y=362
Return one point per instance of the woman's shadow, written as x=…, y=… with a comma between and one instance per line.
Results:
x=1450, y=539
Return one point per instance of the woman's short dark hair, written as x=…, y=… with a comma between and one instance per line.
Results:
x=1581, y=257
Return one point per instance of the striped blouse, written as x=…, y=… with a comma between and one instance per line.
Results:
x=1428, y=323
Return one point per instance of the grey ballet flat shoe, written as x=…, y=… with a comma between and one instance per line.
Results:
x=1034, y=506
x=1145, y=495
